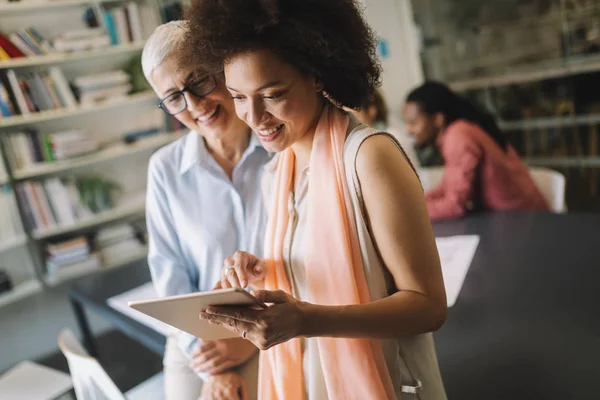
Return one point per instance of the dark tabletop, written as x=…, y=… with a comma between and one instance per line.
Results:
x=525, y=325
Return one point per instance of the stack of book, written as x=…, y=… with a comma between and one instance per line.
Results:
x=51, y=203
x=72, y=255
x=34, y=92
x=10, y=222
x=26, y=149
x=131, y=22
x=117, y=243
x=70, y=144
x=96, y=87
x=81, y=39
x=26, y=42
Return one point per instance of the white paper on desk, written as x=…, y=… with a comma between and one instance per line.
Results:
x=456, y=254
x=32, y=381
x=145, y=292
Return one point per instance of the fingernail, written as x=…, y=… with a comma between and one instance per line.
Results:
x=258, y=269
x=210, y=321
x=203, y=315
x=244, y=283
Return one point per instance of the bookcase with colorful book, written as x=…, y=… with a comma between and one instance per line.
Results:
x=77, y=126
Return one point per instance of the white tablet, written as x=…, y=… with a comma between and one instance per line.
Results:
x=183, y=311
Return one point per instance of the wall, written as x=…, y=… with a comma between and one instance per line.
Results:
x=392, y=20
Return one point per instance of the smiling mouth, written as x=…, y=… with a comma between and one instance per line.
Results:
x=269, y=134
x=208, y=117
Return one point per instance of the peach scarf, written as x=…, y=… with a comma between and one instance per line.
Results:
x=353, y=368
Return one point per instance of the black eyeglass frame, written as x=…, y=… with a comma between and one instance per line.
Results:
x=188, y=89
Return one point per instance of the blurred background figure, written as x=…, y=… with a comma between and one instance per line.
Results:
x=481, y=170
x=375, y=114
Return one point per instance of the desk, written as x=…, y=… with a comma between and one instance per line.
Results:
x=526, y=324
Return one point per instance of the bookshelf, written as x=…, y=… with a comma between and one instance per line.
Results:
x=130, y=208
x=71, y=105
x=51, y=115
x=20, y=291
x=12, y=243
x=59, y=58
x=67, y=275
x=109, y=153
x=539, y=72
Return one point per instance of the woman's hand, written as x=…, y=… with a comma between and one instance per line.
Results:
x=240, y=269
x=266, y=328
x=217, y=356
x=227, y=386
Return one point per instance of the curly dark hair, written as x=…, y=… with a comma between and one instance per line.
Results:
x=327, y=39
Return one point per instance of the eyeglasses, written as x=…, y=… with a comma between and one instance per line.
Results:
x=176, y=103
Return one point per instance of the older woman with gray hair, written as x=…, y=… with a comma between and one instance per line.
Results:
x=203, y=203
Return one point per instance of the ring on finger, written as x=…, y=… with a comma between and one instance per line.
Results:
x=229, y=270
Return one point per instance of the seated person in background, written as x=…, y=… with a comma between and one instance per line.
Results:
x=203, y=203
x=375, y=114
x=481, y=170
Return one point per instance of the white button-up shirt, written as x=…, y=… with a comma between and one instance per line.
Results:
x=196, y=216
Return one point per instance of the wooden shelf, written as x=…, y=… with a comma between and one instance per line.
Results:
x=107, y=154
x=564, y=162
x=36, y=5
x=44, y=116
x=20, y=291
x=552, y=122
x=126, y=209
x=12, y=243
x=58, y=58
x=66, y=274
x=542, y=71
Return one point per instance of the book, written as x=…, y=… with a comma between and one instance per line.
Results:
x=117, y=91
x=29, y=98
x=6, y=108
x=33, y=94
x=111, y=28
x=52, y=91
x=118, y=15
x=4, y=55
x=60, y=201
x=13, y=210
x=10, y=48
x=101, y=80
x=36, y=220
x=54, y=271
x=32, y=42
x=81, y=33
x=27, y=209
x=47, y=216
x=70, y=45
x=63, y=86
x=21, y=44
x=16, y=90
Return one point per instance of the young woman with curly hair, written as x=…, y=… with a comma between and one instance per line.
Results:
x=351, y=271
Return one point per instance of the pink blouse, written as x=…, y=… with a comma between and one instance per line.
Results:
x=480, y=174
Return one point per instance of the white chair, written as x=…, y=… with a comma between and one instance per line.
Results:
x=552, y=186
x=430, y=177
x=90, y=380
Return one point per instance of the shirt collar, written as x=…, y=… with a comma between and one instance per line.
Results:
x=196, y=153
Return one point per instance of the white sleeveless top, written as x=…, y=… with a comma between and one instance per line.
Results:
x=411, y=361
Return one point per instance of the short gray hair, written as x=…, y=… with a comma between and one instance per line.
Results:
x=164, y=41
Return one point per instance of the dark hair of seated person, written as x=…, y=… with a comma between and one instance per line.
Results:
x=435, y=97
